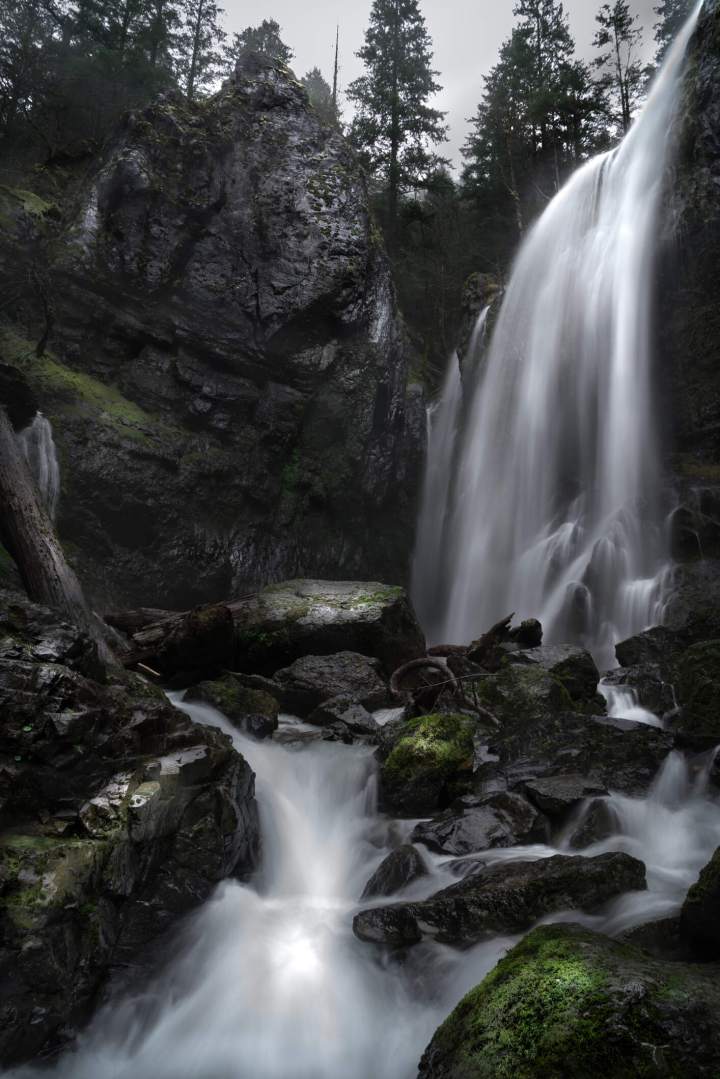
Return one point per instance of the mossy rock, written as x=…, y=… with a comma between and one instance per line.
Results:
x=523, y=695
x=698, y=689
x=569, y=1002
x=245, y=707
x=700, y=917
x=430, y=764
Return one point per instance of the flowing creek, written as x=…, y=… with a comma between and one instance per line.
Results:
x=267, y=980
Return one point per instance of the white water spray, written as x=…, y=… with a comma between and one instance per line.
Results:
x=38, y=446
x=557, y=511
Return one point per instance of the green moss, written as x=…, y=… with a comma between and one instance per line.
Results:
x=441, y=743
x=235, y=700
x=43, y=873
x=291, y=474
x=558, y=1005
x=520, y=693
x=77, y=393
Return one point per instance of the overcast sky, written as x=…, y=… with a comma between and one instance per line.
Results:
x=466, y=34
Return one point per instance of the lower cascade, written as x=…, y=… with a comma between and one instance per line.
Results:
x=556, y=508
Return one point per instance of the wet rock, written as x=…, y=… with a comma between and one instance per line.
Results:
x=312, y=680
x=698, y=694
x=120, y=816
x=427, y=763
x=529, y=634
x=402, y=866
x=608, y=753
x=556, y=795
x=661, y=939
x=252, y=711
x=573, y=667
x=506, y=897
x=478, y=824
x=345, y=719
x=653, y=690
x=653, y=647
x=520, y=695
x=700, y=915
x=569, y=1002
x=599, y=821
x=286, y=621
x=212, y=446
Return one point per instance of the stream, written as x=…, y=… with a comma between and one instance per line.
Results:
x=267, y=980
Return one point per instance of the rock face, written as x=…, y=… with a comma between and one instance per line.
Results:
x=118, y=815
x=481, y=823
x=700, y=917
x=229, y=377
x=568, y=1002
x=502, y=898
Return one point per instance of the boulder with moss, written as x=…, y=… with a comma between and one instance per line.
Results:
x=252, y=711
x=428, y=764
x=573, y=667
x=698, y=694
x=119, y=816
x=569, y=1002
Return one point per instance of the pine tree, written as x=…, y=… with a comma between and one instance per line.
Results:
x=26, y=37
x=264, y=38
x=321, y=96
x=621, y=75
x=199, y=42
x=671, y=16
x=395, y=127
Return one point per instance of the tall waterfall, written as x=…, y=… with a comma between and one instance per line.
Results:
x=38, y=445
x=556, y=507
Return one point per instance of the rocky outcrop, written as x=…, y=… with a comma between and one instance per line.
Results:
x=228, y=377
x=566, y=1001
x=502, y=898
x=117, y=816
x=426, y=763
x=700, y=916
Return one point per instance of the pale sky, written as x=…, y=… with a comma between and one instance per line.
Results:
x=466, y=34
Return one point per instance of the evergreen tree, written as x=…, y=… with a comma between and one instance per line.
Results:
x=264, y=38
x=621, y=76
x=199, y=43
x=671, y=16
x=395, y=128
x=321, y=96
x=26, y=38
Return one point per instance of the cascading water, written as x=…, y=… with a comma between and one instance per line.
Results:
x=431, y=576
x=38, y=446
x=557, y=506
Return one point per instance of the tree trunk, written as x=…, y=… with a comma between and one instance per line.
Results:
x=28, y=533
x=394, y=170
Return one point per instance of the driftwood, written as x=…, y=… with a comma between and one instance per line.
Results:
x=193, y=643
x=418, y=665
x=482, y=650
x=134, y=621
x=29, y=536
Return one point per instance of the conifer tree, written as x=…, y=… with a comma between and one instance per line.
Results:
x=671, y=16
x=321, y=96
x=395, y=127
x=621, y=75
x=199, y=42
x=264, y=38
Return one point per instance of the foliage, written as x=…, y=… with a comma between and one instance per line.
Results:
x=198, y=45
x=321, y=96
x=395, y=128
x=671, y=16
x=622, y=76
x=264, y=38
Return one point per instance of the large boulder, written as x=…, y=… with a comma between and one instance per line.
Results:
x=119, y=817
x=430, y=762
x=228, y=375
x=505, y=897
x=520, y=695
x=569, y=1002
x=700, y=916
x=475, y=824
x=344, y=719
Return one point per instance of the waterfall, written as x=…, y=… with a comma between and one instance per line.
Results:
x=38, y=446
x=430, y=576
x=557, y=509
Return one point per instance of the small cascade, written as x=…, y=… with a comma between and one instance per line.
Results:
x=556, y=508
x=38, y=446
x=623, y=703
x=431, y=577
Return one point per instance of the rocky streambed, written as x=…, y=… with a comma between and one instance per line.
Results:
x=414, y=817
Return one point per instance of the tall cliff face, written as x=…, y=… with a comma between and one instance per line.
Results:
x=688, y=314
x=231, y=398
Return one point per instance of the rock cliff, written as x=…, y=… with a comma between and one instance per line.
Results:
x=227, y=374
